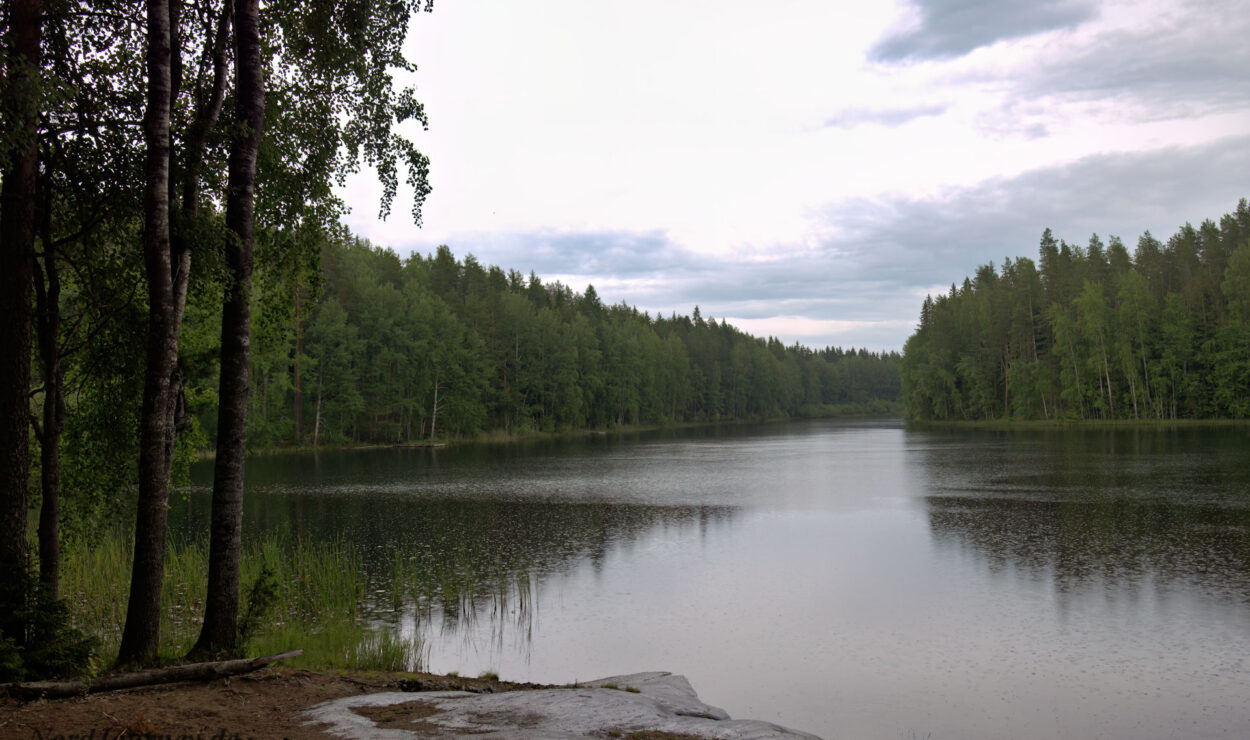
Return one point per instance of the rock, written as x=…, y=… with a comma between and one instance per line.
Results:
x=673, y=693
x=656, y=701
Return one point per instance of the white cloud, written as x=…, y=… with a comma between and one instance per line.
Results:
x=785, y=163
x=818, y=333
x=941, y=29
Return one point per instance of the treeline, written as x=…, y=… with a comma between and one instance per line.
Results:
x=1093, y=332
x=383, y=349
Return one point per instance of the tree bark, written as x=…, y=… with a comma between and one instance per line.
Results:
x=434, y=410
x=317, y=418
x=1076, y=375
x=49, y=432
x=1141, y=342
x=206, y=115
x=220, y=628
x=185, y=218
x=1106, y=368
x=141, y=635
x=299, y=390
x=17, y=256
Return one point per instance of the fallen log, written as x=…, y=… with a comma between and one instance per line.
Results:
x=151, y=677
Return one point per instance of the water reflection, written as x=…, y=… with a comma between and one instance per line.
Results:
x=457, y=546
x=851, y=579
x=1104, y=513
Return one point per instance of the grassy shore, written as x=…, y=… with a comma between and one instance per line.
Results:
x=294, y=595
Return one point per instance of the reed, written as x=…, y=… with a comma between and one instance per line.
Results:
x=314, y=600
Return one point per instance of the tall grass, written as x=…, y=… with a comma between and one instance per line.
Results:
x=315, y=602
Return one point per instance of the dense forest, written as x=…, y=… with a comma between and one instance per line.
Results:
x=398, y=349
x=1093, y=332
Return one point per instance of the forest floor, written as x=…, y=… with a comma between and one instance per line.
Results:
x=266, y=704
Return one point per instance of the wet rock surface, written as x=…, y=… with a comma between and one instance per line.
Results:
x=663, y=705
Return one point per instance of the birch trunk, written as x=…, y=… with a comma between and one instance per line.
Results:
x=220, y=629
x=141, y=634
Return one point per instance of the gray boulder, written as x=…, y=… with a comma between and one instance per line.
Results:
x=604, y=708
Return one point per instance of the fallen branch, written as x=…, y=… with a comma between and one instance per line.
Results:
x=189, y=672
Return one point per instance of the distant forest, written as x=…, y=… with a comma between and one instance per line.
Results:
x=372, y=347
x=1093, y=332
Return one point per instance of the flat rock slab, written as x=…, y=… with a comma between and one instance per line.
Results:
x=642, y=702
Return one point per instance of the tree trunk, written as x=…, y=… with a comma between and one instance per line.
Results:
x=1141, y=343
x=207, y=114
x=434, y=410
x=220, y=629
x=141, y=635
x=1006, y=382
x=189, y=672
x=17, y=255
x=1106, y=368
x=299, y=390
x=197, y=136
x=49, y=432
x=1132, y=386
x=179, y=251
x=317, y=418
x=1076, y=374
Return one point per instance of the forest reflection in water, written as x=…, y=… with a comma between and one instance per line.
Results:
x=1099, y=513
x=853, y=579
x=452, y=546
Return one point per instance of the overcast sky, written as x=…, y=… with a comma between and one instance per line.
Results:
x=811, y=169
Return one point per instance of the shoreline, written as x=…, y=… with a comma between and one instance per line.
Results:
x=498, y=437
x=293, y=703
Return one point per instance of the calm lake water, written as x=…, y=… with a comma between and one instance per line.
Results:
x=852, y=579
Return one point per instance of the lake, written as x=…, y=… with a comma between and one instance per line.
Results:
x=855, y=579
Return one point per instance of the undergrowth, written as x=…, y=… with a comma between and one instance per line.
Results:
x=305, y=595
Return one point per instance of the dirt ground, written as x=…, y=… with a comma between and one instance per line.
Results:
x=262, y=705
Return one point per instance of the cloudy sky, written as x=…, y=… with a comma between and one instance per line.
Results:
x=811, y=169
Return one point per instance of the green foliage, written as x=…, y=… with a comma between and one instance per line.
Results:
x=1093, y=334
x=397, y=350
x=11, y=668
x=332, y=105
x=37, y=638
